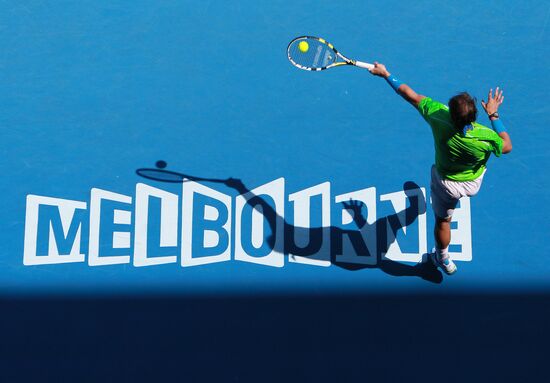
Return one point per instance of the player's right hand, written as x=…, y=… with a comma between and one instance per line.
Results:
x=379, y=70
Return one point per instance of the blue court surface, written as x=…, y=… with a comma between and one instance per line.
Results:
x=304, y=223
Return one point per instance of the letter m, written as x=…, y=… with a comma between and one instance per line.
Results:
x=53, y=230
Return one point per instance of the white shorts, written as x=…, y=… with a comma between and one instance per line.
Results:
x=446, y=193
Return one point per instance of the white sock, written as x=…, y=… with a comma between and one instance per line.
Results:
x=442, y=253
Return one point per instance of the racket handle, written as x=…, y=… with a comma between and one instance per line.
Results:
x=361, y=64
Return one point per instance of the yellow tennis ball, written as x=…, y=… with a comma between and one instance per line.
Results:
x=303, y=46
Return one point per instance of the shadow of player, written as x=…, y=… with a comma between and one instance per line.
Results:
x=384, y=229
x=384, y=237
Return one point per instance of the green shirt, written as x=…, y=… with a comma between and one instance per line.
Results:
x=458, y=156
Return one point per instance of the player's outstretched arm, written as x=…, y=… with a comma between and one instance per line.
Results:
x=403, y=90
x=491, y=107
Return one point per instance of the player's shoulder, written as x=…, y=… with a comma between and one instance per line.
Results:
x=434, y=112
x=480, y=127
x=482, y=132
x=428, y=103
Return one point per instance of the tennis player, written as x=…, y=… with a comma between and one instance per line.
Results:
x=462, y=149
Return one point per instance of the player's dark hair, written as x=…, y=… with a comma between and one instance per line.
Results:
x=463, y=110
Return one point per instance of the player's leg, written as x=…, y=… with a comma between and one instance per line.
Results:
x=442, y=232
x=443, y=205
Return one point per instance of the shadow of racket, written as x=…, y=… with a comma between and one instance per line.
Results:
x=162, y=175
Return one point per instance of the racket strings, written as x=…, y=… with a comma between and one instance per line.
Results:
x=318, y=55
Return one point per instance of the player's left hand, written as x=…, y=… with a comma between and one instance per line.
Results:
x=493, y=102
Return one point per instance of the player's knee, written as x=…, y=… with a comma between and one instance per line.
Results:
x=441, y=220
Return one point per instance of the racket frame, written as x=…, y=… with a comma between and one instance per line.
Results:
x=149, y=173
x=146, y=173
x=347, y=61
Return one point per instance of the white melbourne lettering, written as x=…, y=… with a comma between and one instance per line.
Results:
x=120, y=229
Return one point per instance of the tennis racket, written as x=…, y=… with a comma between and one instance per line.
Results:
x=315, y=53
x=163, y=175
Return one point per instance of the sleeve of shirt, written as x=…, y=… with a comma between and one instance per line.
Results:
x=490, y=136
x=497, y=144
x=427, y=107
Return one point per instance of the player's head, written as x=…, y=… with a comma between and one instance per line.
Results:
x=463, y=110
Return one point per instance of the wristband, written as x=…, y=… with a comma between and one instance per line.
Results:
x=394, y=82
x=498, y=126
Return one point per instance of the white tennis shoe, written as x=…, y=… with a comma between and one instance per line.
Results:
x=447, y=265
